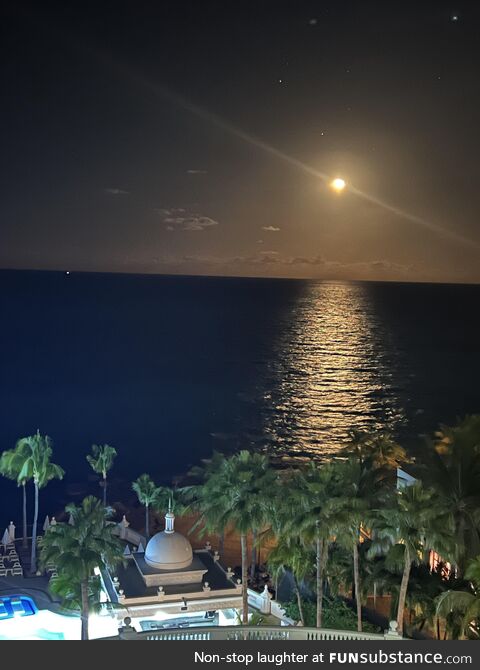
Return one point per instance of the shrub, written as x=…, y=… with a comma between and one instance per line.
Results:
x=336, y=614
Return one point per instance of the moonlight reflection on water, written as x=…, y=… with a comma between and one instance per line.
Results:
x=333, y=371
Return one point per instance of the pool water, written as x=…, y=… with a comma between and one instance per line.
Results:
x=16, y=606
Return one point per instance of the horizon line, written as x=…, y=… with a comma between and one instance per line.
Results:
x=234, y=276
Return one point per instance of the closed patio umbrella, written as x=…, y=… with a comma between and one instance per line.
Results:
x=6, y=538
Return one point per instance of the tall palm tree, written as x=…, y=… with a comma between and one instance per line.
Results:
x=414, y=523
x=101, y=461
x=465, y=602
x=147, y=494
x=356, y=489
x=36, y=451
x=11, y=463
x=369, y=471
x=79, y=547
x=195, y=493
x=453, y=468
x=291, y=554
x=237, y=494
x=315, y=517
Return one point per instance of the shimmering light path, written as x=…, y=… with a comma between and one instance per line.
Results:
x=333, y=371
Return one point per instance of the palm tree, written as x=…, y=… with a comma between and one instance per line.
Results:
x=453, y=468
x=70, y=591
x=101, y=461
x=36, y=452
x=291, y=554
x=369, y=471
x=315, y=516
x=376, y=451
x=147, y=494
x=171, y=498
x=237, y=494
x=464, y=602
x=413, y=524
x=195, y=493
x=78, y=548
x=356, y=487
x=11, y=463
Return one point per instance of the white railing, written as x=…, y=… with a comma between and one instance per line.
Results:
x=286, y=633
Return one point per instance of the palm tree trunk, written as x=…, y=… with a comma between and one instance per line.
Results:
x=299, y=600
x=33, y=556
x=85, y=607
x=147, y=523
x=25, y=541
x=243, y=540
x=320, y=570
x=254, y=555
x=221, y=542
x=356, y=577
x=104, y=490
x=403, y=591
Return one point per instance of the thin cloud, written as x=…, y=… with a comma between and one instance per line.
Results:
x=177, y=218
x=328, y=267
x=196, y=172
x=116, y=191
x=197, y=223
x=170, y=211
x=270, y=229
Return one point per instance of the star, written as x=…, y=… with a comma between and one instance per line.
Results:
x=455, y=18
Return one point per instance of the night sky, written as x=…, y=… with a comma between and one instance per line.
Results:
x=200, y=137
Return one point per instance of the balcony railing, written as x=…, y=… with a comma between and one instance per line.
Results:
x=281, y=633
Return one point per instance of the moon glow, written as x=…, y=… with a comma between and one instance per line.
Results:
x=338, y=184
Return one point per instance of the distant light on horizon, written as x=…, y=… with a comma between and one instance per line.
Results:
x=338, y=184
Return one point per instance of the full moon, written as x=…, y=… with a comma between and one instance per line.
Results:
x=338, y=185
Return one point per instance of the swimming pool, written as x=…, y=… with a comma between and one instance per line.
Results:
x=16, y=606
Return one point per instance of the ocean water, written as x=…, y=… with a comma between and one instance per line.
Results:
x=167, y=369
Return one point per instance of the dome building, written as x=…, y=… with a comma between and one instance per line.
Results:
x=169, y=579
x=169, y=550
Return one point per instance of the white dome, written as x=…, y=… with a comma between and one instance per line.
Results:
x=169, y=550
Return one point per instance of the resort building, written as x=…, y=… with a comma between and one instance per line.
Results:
x=168, y=584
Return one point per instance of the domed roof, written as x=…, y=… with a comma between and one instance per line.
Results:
x=169, y=550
